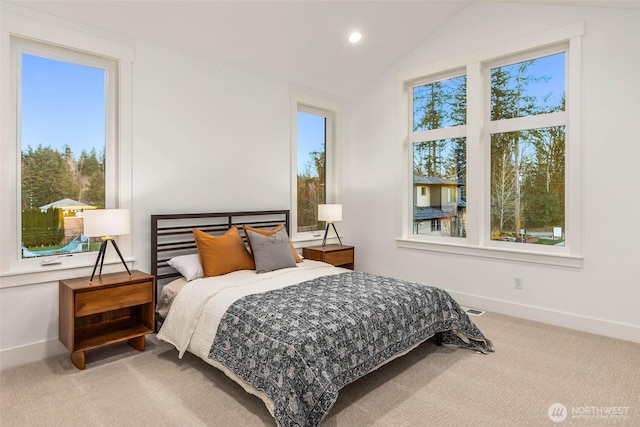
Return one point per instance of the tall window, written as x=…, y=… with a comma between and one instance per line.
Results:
x=439, y=157
x=493, y=147
x=528, y=150
x=315, y=161
x=66, y=146
x=62, y=123
x=311, y=185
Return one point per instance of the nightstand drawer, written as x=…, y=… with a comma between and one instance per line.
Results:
x=102, y=300
x=339, y=257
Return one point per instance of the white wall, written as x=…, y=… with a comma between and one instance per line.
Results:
x=206, y=137
x=603, y=296
x=209, y=137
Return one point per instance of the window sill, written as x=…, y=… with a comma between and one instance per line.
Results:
x=305, y=240
x=54, y=273
x=532, y=257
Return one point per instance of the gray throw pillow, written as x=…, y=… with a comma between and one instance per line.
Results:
x=271, y=252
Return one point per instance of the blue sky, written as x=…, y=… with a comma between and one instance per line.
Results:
x=62, y=104
x=311, y=129
x=552, y=66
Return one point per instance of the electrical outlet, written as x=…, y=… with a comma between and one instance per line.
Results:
x=517, y=283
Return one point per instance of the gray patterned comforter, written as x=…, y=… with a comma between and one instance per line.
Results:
x=301, y=344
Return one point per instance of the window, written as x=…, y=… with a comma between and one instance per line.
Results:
x=439, y=155
x=312, y=142
x=314, y=148
x=488, y=141
x=527, y=130
x=62, y=122
x=67, y=139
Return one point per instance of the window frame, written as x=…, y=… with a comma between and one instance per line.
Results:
x=477, y=66
x=444, y=133
x=313, y=104
x=523, y=124
x=43, y=38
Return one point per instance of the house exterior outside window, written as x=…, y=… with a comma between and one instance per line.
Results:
x=27, y=51
x=437, y=202
x=62, y=109
x=493, y=147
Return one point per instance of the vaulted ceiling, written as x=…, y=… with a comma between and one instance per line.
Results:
x=302, y=42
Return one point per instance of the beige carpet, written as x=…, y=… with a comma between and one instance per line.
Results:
x=534, y=367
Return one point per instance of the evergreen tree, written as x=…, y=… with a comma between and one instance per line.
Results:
x=514, y=153
x=311, y=192
x=46, y=177
x=93, y=176
x=42, y=228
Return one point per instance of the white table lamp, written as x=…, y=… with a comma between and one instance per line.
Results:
x=106, y=224
x=330, y=214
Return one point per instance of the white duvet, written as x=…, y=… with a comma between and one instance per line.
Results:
x=196, y=311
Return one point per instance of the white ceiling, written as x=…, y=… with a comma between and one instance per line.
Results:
x=302, y=42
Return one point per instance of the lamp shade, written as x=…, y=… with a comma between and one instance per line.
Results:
x=330, y=213
x=106, y=222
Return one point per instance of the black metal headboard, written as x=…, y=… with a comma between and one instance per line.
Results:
x=171, y=234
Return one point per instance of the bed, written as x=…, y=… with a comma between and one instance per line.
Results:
x=291, y=334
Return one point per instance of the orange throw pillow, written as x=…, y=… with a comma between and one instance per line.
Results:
x=223, y=254
x=269, y=233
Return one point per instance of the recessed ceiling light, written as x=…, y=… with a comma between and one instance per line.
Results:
x=355, y=37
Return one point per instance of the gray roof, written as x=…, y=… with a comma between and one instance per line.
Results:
x=421, y=213
x=432, y=180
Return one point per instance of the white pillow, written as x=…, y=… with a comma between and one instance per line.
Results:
x=188, y=265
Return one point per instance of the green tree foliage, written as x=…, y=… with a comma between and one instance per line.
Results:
x=91, y=176
x=458, y=162
x=509, y=99
x=48, y=176
x=42, y=228
x=527, y=167
x=437, y=105
x=311, y=192
x=544, y=188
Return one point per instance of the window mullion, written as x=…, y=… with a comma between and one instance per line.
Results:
x=528, y=122
x=436, y=134
x=522, y=174
x=476, y=154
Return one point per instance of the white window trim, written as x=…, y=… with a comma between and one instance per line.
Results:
x=15, y=271
x=477, y=242
x=301, y=100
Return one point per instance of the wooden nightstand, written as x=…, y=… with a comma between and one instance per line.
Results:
x=114, y=308
x=338, y=255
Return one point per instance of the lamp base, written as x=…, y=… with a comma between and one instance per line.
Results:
x=324, y=240
x=100, y=259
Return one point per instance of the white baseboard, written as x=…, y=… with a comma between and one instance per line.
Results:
x=30, y=353
x=592, y=325
x=41, y=350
